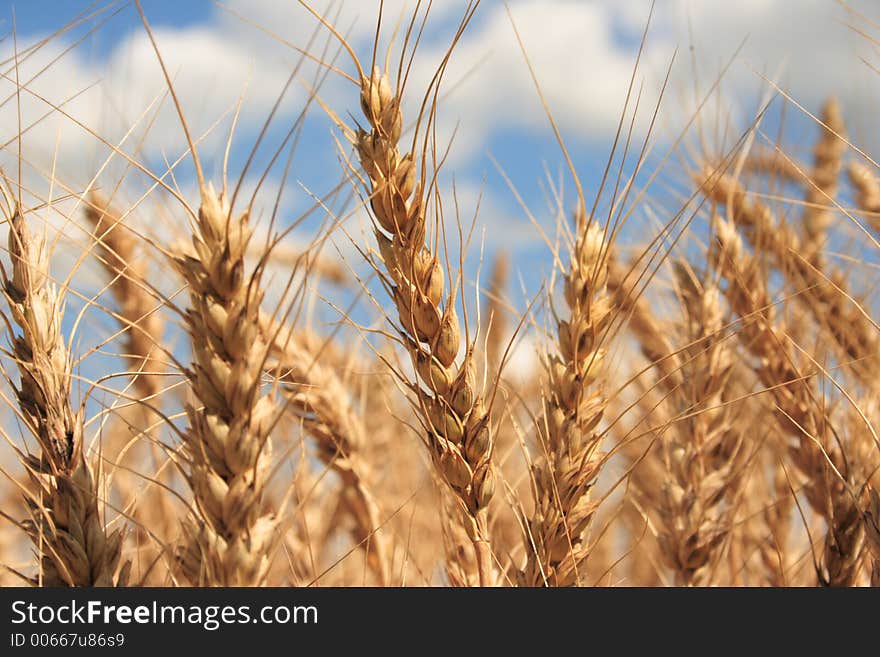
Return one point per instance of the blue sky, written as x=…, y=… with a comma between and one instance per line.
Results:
x=40, y=15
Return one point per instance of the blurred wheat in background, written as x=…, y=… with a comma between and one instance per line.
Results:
x=440, y=294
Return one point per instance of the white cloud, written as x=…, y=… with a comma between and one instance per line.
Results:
x=61, y=84
x=582, y=72
x=583, y=53
x=210, y=72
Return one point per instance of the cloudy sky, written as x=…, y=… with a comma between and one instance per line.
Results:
x=103, y=74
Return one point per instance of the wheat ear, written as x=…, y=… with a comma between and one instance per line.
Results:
x=826, y=296
x=454, y=414
x=569, y=461
x=704, y=451
x=143, y=326
x=827, y=160
x=65, y=527
x=319, y=399
x=228, y=536
x=774, y=164
x=653, y=338
x=867, y=187
x=495, y=314
x=701, y=451
x=814, y=451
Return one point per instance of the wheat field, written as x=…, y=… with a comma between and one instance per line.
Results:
x=279, y=344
